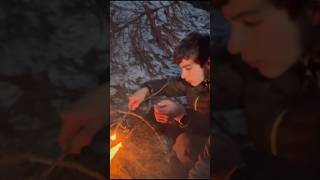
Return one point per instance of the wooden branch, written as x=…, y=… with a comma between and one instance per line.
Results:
x=140, y=16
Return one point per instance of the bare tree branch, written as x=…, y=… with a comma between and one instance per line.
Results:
x=137, y=18
x=147, y=32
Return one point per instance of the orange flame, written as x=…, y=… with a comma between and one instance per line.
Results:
x=114, y=150
x=113, y=137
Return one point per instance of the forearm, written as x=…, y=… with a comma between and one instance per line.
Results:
x=168, y=87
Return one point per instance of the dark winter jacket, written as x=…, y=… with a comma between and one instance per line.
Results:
x=198, y=101
x=283, y=114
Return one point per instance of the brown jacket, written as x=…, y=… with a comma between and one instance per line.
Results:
x=283, y=117
x=198, y=101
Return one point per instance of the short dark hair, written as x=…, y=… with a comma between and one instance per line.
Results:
x=195, y=45
x=298, y=10
x=294, y=7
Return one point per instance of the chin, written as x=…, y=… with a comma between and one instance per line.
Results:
x=195, y=84
x=271, y=74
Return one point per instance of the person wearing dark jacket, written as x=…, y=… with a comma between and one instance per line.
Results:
x=275, y=83
x=193, y=57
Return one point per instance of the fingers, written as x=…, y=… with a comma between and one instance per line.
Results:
x=84, y=136
x=136, y=99
x=159, y=116
x=70, y=126
x=162, y=119
x=133, y=103
x=75, y=134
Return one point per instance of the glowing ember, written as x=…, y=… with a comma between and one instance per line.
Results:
x=113, y=137
x=114, y=150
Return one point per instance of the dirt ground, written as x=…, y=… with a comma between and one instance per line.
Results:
x=146, y=153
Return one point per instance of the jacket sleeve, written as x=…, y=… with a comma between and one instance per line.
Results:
x=196, y=122
x=174, y=86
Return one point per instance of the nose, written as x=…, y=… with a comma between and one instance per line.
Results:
x=183, y=74
x=235, y=42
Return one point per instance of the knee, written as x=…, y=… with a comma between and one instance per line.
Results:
x=183, y=148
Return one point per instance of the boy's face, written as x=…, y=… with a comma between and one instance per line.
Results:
x=266, y=37
x=192, y=72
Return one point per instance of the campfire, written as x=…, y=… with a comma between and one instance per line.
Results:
x=136, y=149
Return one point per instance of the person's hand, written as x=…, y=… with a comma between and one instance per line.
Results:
x=136, y=98
x=168, y=109
x=82, y=121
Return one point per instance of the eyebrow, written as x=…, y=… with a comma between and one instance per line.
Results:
x=245, y=13
x=185, y=66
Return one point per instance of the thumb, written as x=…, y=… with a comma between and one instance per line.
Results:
x=80, y=142
x=132, y=104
